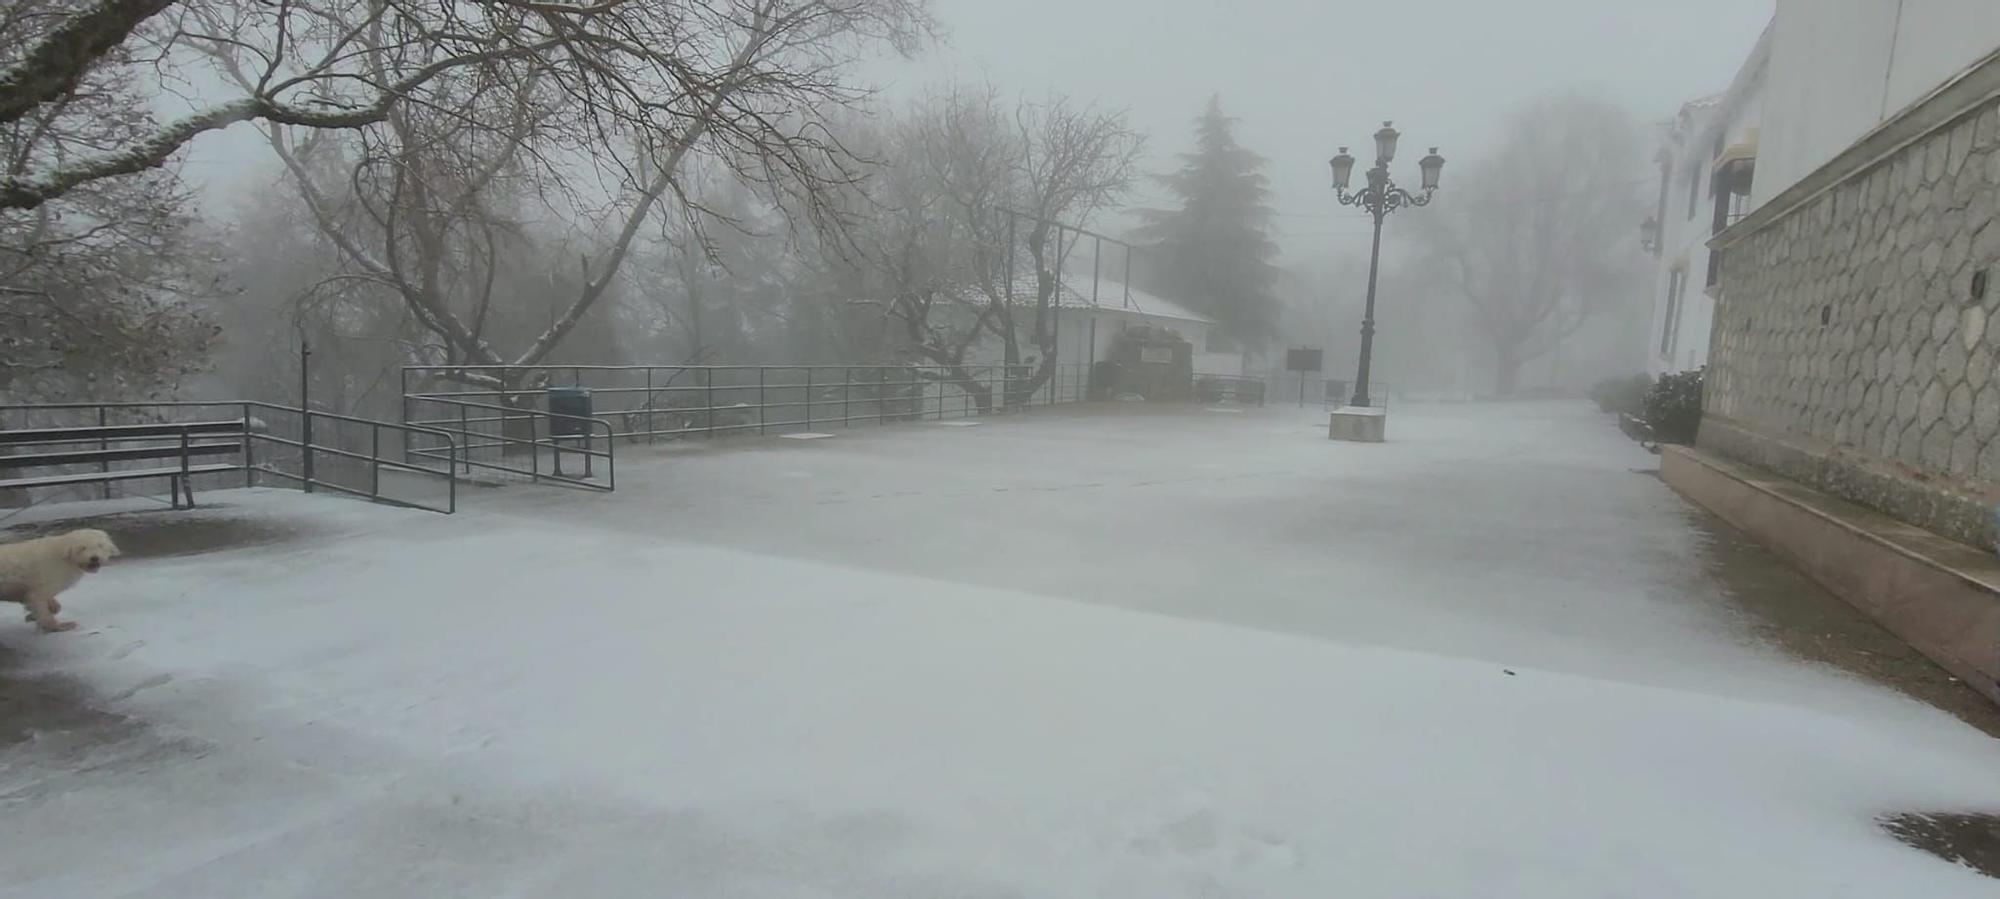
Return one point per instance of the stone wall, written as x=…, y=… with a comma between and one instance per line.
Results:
x=1853, y=348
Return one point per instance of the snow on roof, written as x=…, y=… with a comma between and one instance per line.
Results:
x=1112, y=296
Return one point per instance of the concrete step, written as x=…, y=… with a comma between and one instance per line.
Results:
x=1940, y=596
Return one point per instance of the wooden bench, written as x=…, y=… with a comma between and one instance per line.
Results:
x=181, y=443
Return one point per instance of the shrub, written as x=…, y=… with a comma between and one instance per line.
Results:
x=1625, y=395
x=1673, y=407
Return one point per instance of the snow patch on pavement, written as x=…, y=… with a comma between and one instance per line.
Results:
x=496, y=705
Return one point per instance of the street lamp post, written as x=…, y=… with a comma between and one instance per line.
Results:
x=1379, y=198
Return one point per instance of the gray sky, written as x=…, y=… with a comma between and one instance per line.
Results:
x=1305, y=77
x=1297, y=73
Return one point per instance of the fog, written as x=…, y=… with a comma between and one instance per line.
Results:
x=1296, y=81
x=1308, y=77
x=1304, y=77
x=854, y=449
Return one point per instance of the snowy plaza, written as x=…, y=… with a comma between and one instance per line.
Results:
x=1072, y=653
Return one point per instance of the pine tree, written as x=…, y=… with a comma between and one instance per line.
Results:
x=1214, y=253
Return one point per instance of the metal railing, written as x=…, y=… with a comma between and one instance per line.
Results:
x=1231, y=388
x=330, y=456
x=656, y=402
x=514, y=439
x=1314, y=389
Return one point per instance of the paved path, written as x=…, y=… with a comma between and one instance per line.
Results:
x=1124, y=652
x=1530, y=534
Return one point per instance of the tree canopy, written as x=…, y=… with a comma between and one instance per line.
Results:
x=1215, y=251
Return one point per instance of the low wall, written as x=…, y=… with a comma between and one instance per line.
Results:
x=1941, y=597
x=1949, y=507
x=1855, y=344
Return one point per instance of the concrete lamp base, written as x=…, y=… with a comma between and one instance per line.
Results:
x=1357, y=424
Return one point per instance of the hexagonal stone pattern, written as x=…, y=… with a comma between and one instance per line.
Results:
x=1905, y=367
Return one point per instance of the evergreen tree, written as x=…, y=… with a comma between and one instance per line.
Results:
x=1214, y=253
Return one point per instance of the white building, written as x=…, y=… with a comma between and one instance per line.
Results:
x=1852, y=348
x=1824, y=74
x=1707, y=163
x=1089, y=320
x=1839, y=68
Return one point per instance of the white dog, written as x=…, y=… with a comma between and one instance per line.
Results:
x=32, y=572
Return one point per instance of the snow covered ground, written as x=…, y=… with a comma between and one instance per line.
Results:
x=1128, y=655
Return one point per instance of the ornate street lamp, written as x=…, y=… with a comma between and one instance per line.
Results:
x=1649, y=235
x=1379, y=198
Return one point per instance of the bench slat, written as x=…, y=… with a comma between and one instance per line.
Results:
x=96, y=477
x=118, y=432
x=121, y=454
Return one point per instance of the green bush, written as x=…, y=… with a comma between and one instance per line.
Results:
x=1673, y=407
x=1622, y=395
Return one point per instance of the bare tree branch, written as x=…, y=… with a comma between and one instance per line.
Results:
x=57, y=62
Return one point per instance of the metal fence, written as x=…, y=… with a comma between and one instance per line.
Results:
x=1236, y=389
x=512, y=437
x=316, y=450
x=1312, y=389
x=651, y=403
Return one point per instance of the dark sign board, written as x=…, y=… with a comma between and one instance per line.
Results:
x=1302, y=359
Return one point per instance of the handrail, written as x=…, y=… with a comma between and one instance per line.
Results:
x=252, y=434
x=557, y=445
x=790, y=366
x=521, y=413
x=726, y=399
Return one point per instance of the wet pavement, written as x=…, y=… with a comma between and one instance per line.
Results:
x=855, y=500
x=63, y=715
x=33, y=705
x=1769, y=600
x=1784, y=608
x=1781, y=606
x=146, y=535
x=1972, y=840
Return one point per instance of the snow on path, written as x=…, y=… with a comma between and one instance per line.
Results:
x=522, y=705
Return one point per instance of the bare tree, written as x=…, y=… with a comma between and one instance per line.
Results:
x=712, y=290
x=344, y=64
x=426, y=138
x=99, y=291
x=1074, y=162
x=1535, y=238
x=967, y=183
x=417, y=200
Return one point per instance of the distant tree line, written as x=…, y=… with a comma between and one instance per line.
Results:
x=525, y=182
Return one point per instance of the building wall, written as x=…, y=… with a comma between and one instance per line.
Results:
x=1677, y=339
x=1936, y=39
x=1683, y=308
x=1081, y=344
x=1850, y=352
x=1076, y=345
x=1841, y=67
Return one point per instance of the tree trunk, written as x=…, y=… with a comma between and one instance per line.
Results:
x=982, y=396
x=981, y=392
x=1507, y=370
x=1021, y=389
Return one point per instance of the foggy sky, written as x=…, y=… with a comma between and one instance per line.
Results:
x=1307, y=76
x=1302, y=76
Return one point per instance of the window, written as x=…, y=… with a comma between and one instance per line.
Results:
x=1731, y=184
x=1732, y=181
x=1660, y=208
x=1671, y=323
x=1694, y=186
x=1720, y=219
